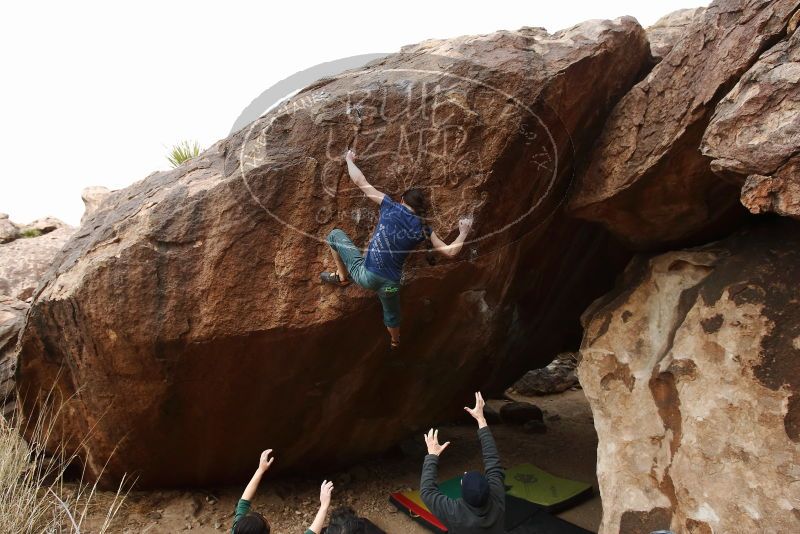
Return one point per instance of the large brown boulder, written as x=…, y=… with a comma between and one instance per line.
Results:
x=646, y=180
x=24, y=261
x=188, y=307
x=692, y=370
x=754, y=136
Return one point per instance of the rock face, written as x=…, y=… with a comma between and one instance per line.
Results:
x=558, y=376
x=188, y=307
x=92, y=197
x=12, y=314
x=24, y=261
x=669, y=29
x=692, y=369
x=646, y=180
x=22, y=264
x=754, y=136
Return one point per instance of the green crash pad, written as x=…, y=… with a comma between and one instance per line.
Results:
x=451, y=487
x=524, y=481
x=535, y=485
x=532, y=495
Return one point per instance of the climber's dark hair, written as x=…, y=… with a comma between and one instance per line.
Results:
x=417, y=200
x=252, y=523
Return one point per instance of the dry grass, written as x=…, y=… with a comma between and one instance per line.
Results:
x=31, y=232
x=34, y=497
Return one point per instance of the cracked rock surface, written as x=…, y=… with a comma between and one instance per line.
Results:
x=646, y=180
x=754, y=136
x=692, y=369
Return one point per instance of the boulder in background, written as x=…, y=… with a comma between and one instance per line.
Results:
x=23, y=262
x=92, y=197
x=646, y=180
x=558, y=376
x=8, y=230
x=669, y=29
x=754, y=135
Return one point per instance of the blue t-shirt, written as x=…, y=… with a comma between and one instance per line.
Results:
x=398, y=232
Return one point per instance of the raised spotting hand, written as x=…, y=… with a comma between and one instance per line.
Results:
x=432, y=441
x=477, y=411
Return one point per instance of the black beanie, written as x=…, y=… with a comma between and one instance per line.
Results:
x=474, y=488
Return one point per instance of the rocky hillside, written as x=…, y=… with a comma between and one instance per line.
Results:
x=26, y=252
x=185, y=324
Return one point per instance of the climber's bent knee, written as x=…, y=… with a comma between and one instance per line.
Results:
x=335, y=236
x=350, y=255
x=343, y=246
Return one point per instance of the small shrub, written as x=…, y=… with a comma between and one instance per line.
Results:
x=31, y=232
x=183, y=151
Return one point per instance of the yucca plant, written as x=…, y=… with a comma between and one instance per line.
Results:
x=34, y=496
x=183, y=151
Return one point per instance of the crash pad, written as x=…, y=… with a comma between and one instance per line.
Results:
x=536, y=485
x=532, y=494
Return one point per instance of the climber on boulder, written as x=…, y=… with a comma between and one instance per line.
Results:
x=400, y=229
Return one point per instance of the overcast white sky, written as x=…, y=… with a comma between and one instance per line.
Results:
x=94, y=93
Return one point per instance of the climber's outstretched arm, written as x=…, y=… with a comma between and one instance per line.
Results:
x=360, y=180
x=263, y=465
x=324, y=503
x=464, y=226
x=495, y=474
x=243, y=506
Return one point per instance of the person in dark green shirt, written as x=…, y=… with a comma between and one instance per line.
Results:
x=246, y=521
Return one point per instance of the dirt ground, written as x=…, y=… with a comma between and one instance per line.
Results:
x=567, y=449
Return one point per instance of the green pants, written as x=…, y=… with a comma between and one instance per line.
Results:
x=388, y=291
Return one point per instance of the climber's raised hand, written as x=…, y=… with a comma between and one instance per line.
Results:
x=465, y=225
x=360, y=180
x=265, y=461
x=432, y=441
x=477, y=411
x=325, y=491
